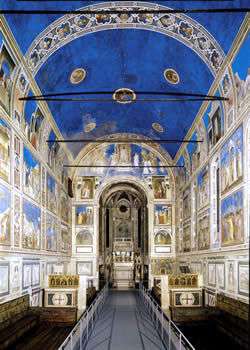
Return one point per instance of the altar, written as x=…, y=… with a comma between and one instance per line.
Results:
x=123, y=275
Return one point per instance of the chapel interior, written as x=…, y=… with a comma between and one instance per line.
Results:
x=124, y=174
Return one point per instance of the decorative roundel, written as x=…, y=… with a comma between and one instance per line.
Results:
x=158, y=127
x=124, y=96
x=89, y=127
x=171, y=76
x=77, y=76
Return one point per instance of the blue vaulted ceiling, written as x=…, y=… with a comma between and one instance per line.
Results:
x=124, y=58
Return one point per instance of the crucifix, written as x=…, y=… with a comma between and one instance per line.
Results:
x=185, y=299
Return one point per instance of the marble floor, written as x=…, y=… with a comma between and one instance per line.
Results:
x=124, y=325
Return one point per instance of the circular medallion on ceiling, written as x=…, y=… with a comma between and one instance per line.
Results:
x=171, y=76
x=157, y=127
x=77, y=76
x=124, y=96
x=89, y=127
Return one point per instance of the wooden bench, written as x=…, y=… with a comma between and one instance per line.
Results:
x=16, y=319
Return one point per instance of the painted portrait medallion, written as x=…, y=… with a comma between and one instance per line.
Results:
x=124, y=96
x=171, y=76
x=89, y=127
x=77, y=76
x=158, y=127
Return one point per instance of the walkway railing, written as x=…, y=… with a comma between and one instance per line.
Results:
x=170, y=334
x=79, y=336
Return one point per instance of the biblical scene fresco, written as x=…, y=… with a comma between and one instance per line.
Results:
x=4, y=151
x=203, y=230
x=180, y=173
x=33, y=122
x=232, y=227
x=162, y=214
x=215, y=124
x=84, y=187
x=187, y=238
x=242, y=71
x=84, y=237
x=124, y=155
x=161, y=187
x=51, y=233
x=65, y=207
x=84, y=215
x=194, y=153
x=203, y=188
x=161, y=266
x=5, y=214
x=7, y=66
x=31, y=225
x=31, y=175
x=51, y=194
x=65, y=239
x=187, y=203
x=232, y=161
x=162, y=238
x=53, y=149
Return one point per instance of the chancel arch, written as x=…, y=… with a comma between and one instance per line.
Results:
x=123, y=232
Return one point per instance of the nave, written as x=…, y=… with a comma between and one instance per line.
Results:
x=124, y=324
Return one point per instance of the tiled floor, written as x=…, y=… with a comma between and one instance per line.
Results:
x=124, y=325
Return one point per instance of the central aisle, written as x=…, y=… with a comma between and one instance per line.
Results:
x=124, y=325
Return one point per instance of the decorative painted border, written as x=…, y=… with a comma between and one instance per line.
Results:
x=178, y=26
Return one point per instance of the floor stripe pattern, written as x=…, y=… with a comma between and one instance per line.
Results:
x=124, y=324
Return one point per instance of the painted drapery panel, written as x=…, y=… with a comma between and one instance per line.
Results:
x=232, y=227
x=5, y=214
x=31, y=225
x=232, y=161
x=31, y=175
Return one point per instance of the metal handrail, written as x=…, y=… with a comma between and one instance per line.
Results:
x=170, y=334
x=79, y=335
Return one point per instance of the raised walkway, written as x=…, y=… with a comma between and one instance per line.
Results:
x=124, y=324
